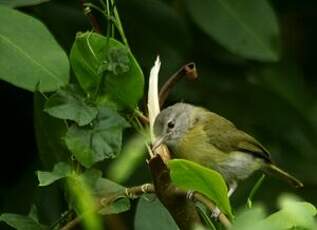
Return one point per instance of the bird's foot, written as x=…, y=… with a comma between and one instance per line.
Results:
x=190, y=195
x=215, y=213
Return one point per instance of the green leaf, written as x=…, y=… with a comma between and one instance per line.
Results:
x=33, y=213
x=104, y=66
x=21, y=222
x=34, y=60
x=293, y=214
x=203, y=212
x=101, y=140
x=248, y=218
x=49, y=132
x=101, y=188
x=117, y=61
x=19, y=3
x=70, y=104
x=152, y=215
x=60, y=171
x=247, y=28
x=131, y=156
x=192, y=176
x=82, y=201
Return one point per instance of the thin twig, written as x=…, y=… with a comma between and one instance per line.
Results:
x=73, y=223
x=92, y=19
x=188, y=70
x=119, y=24
x=137, y=191
x=144, y=119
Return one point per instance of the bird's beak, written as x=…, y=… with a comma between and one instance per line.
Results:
x=158, y=141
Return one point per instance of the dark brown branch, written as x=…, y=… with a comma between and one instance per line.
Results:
x=144, y=119
x=182, y=210
x=92, y=18
x=73, y=223
x=188, y=70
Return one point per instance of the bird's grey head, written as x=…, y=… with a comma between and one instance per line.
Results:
x=172, y=123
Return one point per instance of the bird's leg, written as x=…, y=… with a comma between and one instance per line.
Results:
x=232, y=187
x=216, y=211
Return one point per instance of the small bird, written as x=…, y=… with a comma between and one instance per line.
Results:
x=196, y=134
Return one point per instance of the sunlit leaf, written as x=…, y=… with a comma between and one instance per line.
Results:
x=248, y=218
x=131, y=156
x=105, y=192
x=192, y=176
x=97, y=141
x=105, y=68
x=70, y=104
x=83, y=202
x=293, y=214
x=60, y=171
x=34, y=60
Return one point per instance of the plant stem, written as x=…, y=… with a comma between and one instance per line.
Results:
x=188, y=70
x=119, y=24
x=92, y=19
x=254, y=190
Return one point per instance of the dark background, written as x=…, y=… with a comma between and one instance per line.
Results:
x=275, y=102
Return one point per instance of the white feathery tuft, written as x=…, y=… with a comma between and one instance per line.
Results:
x=153, y=98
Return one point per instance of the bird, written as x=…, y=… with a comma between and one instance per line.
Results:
x=197, y=134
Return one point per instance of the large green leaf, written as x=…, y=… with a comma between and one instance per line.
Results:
x=60, y=171
x=192, y=176
x=294, y=214
x=152, y=215
x=30, y=57
x=49, y=132
x=108, y=193
x=105, y=67
x=104, y=188
x=19, y=3
x=248, y=218
x=102, y=139
x=21, y=222
x=247, y=28
x=70, y=104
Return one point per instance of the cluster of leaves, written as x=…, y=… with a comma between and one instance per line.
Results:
x=108, y=81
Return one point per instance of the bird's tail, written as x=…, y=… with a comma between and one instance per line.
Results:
x=272, y=169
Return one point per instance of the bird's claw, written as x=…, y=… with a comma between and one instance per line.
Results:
x=215, y=213
x=190, y=195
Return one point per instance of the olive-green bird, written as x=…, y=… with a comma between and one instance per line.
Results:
x=196, y=134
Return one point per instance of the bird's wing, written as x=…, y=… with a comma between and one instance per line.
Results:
x=226, y=137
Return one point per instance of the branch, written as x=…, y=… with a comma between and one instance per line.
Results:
x=188, y=70
x=92, y=18
x=182, y=210
x=136, y=191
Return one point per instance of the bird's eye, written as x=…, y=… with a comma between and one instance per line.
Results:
x=170, y=124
